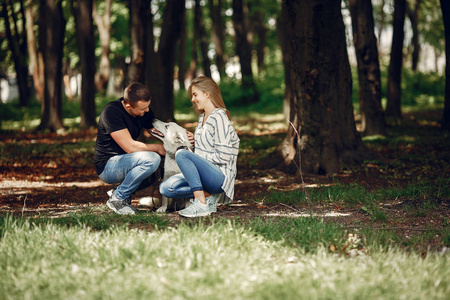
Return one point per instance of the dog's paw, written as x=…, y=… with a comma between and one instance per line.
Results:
x=162, y=210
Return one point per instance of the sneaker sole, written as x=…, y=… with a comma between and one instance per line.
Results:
x=197, y=215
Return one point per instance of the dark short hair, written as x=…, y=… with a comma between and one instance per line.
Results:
x=135, y=92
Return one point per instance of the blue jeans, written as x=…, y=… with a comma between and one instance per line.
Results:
x=130, y=170
x=197, y=174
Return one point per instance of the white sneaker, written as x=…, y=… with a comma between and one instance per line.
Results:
x=196, y=209
x=212, y=202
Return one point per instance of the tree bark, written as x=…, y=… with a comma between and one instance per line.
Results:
x=445, y=7
x=51, y=37
x=372, y=115
x=36, y=60
x=202, y=39
x=17, y=41
x=138, y=19
x=182, y=50
x=82, y=11
x=322, y=136
x=218, y=34
x=394, y=92
x=160, y=66
x=413, y=15
x=244, y=52
x=104, y=31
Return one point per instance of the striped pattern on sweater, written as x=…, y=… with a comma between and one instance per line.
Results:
x=218, y=142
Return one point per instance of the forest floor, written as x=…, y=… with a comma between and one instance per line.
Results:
x=35, y=182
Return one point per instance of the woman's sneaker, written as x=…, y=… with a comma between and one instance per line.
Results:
x=212, y=202
x=196, y=209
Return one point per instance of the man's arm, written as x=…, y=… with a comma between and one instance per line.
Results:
x=125, y=141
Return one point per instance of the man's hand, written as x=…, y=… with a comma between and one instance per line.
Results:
x=160, y=149
x=190, y=137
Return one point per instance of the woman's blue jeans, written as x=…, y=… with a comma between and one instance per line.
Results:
x=130, y=170
x=197, y=174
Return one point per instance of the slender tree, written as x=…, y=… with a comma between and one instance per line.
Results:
x=138, y=19
x=218, y=34
x=202, y=38
x=394, y=92
x=445, y=7
x=372, y=115
x=413, y=15
x=104, y=30
x=244, y=51
x=51, y=38
x=322, y=135
x=36, y=64
x=182, y=50
x=17, y=39
x=82, y=11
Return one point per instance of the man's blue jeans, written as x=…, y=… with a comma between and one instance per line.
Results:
x=197, y=174
x=130, y=170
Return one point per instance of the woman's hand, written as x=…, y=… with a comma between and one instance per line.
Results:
x=190, y=137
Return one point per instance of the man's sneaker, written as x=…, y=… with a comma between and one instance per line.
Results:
x=196, y=209
x=119, y=206
x=212, y=202
x=110, y=192
x=127, y=202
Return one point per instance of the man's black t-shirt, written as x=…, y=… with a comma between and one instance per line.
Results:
x=114, y=117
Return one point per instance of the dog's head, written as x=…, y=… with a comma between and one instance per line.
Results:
x=171, y=134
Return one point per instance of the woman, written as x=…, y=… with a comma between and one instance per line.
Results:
x=212, y=167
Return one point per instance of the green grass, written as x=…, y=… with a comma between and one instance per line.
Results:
x=221, y=260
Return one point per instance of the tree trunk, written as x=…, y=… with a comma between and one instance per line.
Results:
x=104, y=31
x=138, y=19
x=381, y=23
x=17, y=41
x=372, y=115
x=36, y=60
x=51, y=33
x=260, y=31
x=244, y=52
x=194, y=54
x=218, y=34
x=445, y=6
x=82, y=11
x=182, y=49
x=394, y=92
x=160, y=67
x=323, y=134
x=285, y=51
x=413, y=15
x=198, y=16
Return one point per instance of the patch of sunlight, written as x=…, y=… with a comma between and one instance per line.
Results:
x=72, y=121
x=374, y=138
x=331, y=214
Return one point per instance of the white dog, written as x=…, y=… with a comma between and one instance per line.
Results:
x=173, y=136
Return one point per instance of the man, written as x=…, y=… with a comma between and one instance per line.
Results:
x=119, y=156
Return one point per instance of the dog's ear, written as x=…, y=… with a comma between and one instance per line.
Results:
x=179, y=138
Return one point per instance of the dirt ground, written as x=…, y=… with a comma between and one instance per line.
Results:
x=37, y=185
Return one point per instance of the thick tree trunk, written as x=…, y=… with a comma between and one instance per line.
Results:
x=202, y=39
x=244, y=51
x=372, y=115
x=218, y=34
x=285, y=49
x=51, y=34
x=394, y=91
x=82, y=10
x=17, y=40
x=322, y=136
x=445, y=6
x=160, y=67
x=104, y=31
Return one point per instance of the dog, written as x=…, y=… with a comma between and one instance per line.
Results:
x=173, y=137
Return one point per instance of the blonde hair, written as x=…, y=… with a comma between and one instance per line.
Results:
x=207, y=85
